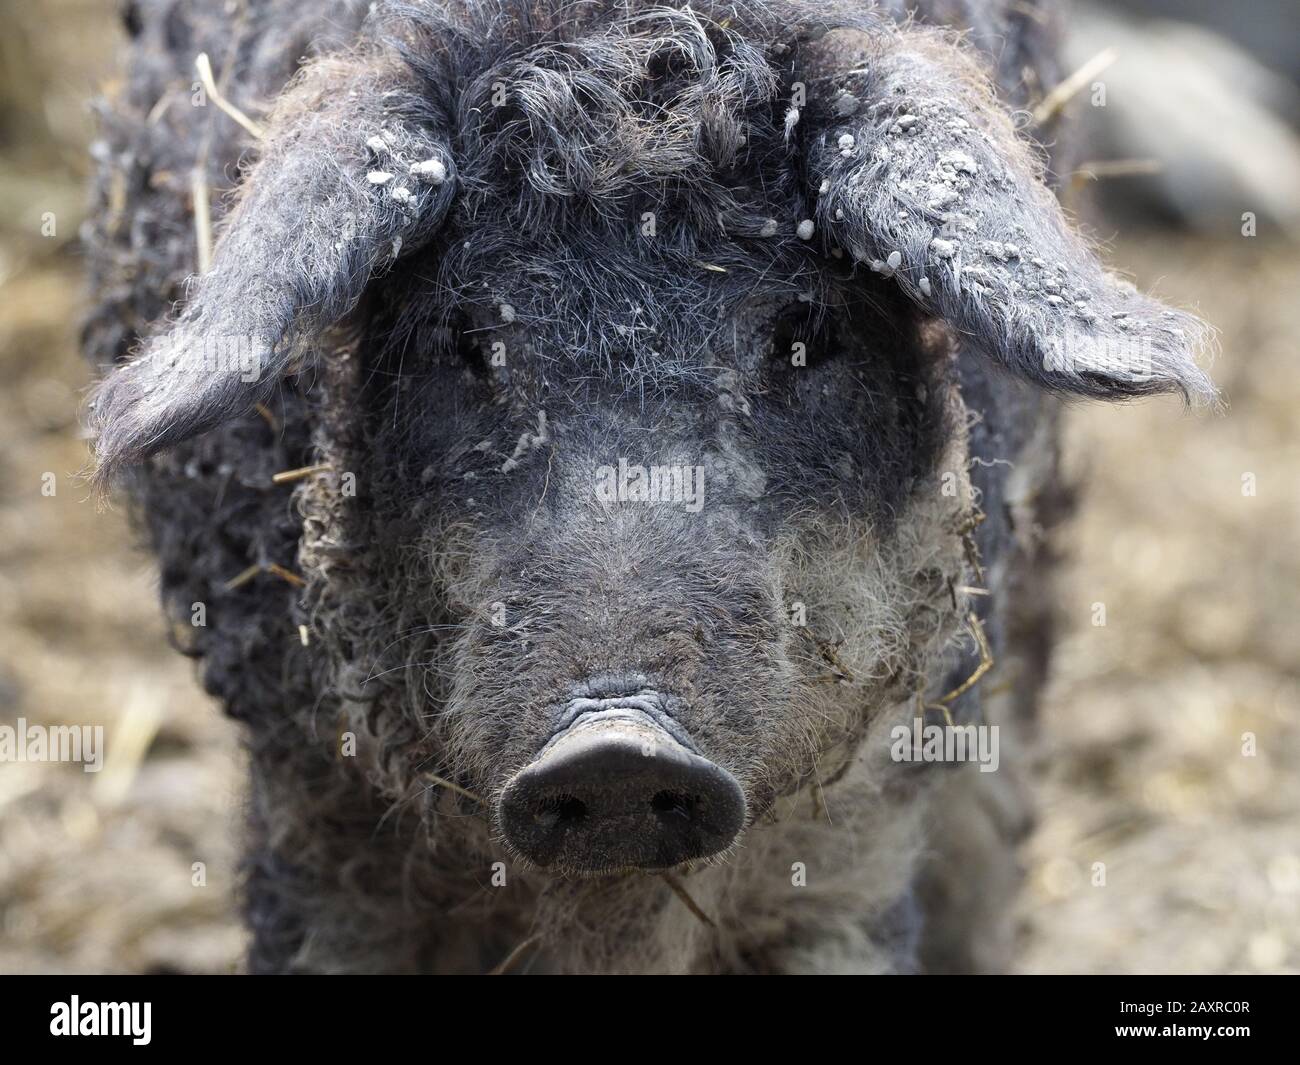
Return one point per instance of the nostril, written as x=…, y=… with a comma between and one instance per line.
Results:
x=674, y=803
x=593, y=801
x=559, y=809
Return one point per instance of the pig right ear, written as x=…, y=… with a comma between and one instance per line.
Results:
x=922, y=177
x=354, y=171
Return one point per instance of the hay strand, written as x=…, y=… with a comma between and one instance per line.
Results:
x=1051, y=105
x=512, y=959
x=442, y=782
x=985, y=664
x=243, y=577
x=301, y=473
x=273, y=568
x=267, y=416
x=204, y=66
x=136, y=729
x=202, y=218
x=286, y=575
x=680, y=891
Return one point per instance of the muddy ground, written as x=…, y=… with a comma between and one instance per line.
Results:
x=1189, y=536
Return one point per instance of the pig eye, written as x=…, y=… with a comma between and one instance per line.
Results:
x=803, y=336
x=468, y=348
x=474, y=353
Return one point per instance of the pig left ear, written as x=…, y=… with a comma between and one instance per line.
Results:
x=922, y=176
x=353, y=172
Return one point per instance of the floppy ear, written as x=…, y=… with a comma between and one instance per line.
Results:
x=923, y=177
x=354, y=171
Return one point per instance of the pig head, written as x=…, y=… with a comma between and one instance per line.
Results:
x=629, y=342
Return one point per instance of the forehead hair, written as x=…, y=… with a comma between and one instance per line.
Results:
x=627, y=180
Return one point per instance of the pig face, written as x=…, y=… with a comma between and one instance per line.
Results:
x=678, y=581
x=646, y=384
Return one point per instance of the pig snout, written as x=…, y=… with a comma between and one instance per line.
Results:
x=614, y=790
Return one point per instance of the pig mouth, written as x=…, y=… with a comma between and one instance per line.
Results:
x=619, y=786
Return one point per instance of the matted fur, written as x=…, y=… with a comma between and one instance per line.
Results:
x=606, y=256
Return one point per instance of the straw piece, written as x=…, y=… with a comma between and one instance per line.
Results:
x=986, y=661
x=301, y=473
x=512, y=959
x=204, y=66
x=680, y=891
x=202, y=218
x=286, y=575
x=443, y=782
x=1052, y=104
x=243, y=577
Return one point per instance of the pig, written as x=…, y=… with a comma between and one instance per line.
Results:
x=592, y=433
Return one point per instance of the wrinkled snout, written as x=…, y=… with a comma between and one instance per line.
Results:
x=615, y=791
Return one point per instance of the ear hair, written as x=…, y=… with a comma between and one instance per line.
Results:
x=354, y=171
x=922, y=176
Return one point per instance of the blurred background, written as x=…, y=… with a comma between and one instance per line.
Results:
x=1188, y=533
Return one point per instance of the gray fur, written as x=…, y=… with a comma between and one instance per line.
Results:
x=937, y=190
x=309, y=234
x=528, y=331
